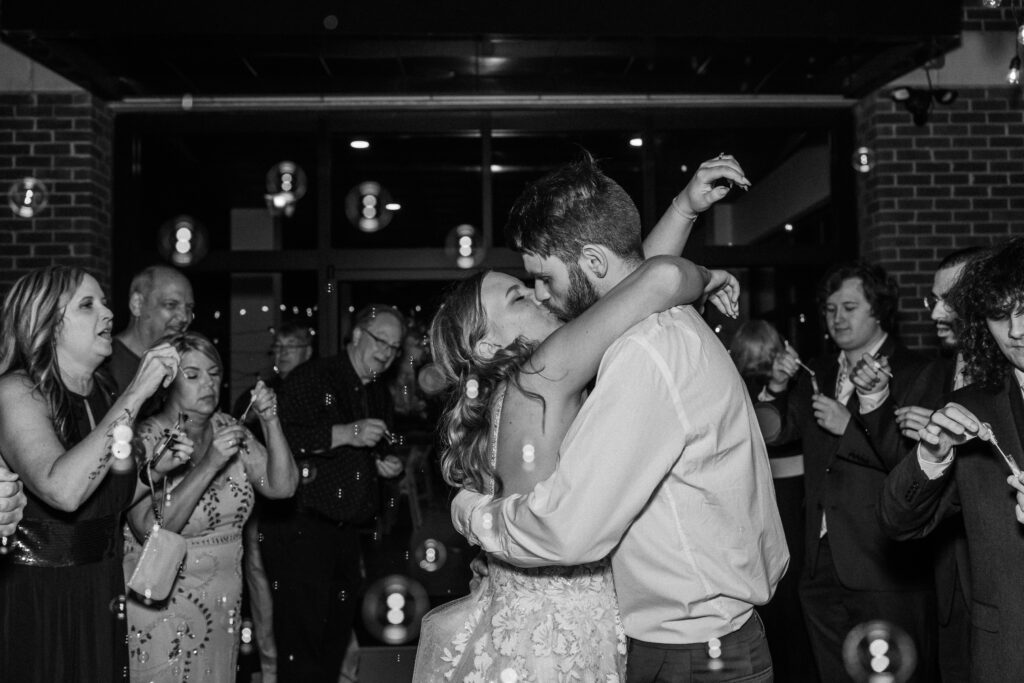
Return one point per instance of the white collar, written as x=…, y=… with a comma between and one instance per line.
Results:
x=844, y=366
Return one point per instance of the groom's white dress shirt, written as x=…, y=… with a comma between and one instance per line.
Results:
x=664, y=468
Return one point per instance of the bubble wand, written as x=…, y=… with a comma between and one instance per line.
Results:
x=986, y=434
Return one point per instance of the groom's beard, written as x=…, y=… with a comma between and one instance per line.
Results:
x=580, y=297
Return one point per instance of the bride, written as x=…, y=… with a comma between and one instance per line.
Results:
x=519, y=377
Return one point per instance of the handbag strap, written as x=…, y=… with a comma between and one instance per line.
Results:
x=158, y=452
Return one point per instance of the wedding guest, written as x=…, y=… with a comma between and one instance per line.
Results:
x=335, y=414
x=942, y=375
x=293, y=346
x=61, y=584
x=852, y=572
x=193, y=635
x=760, y=354
x=958, y=468
x=160, y=302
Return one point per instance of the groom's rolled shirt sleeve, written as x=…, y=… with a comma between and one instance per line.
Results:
x=624, y=441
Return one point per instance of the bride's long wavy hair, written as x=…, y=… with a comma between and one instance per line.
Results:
x=466, y=424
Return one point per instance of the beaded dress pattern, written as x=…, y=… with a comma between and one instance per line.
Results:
x=193, y=635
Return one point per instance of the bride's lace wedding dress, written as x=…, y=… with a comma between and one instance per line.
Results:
x=544, y=624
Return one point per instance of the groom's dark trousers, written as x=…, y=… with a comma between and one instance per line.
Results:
x=740, y=656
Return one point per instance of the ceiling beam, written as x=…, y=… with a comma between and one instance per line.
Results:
x=294, y=103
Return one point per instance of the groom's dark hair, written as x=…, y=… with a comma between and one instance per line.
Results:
x=573, y=206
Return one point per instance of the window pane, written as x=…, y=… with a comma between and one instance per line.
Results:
x=521, y=158
x=434, y=178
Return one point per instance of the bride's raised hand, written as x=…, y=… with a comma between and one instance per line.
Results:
x=702, y=191
x=723, y=291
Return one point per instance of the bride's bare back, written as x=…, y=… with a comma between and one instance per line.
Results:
x=529, y=437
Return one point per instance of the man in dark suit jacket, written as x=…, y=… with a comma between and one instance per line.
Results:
x=942, y=376
x=936, y=482
x=852, y=572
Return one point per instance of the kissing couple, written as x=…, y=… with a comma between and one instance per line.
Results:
x=635, y=525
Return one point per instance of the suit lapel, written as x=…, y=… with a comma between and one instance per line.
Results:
x=1015, y=436
x=1008, y=420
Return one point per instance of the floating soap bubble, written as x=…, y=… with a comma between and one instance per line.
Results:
x=366, y=206
x=863, y=159
x=183, y=241
x=246, y=637
x=715, y=662
x=393, y=607
x=879, y=652
x=430, y=379
x=117, y=607
x=286, y=185
x=308, y=472
x=27, y=197
x=465, y=246
x=431, y=555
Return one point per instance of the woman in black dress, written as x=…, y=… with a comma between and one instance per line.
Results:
x=765, y=363
x=61, y=582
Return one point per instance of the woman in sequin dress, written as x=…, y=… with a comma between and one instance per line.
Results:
x=519, y=378
x=61, y=585
x=193, y=635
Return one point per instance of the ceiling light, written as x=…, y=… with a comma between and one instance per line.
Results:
x=636, y=142
x=900, y=94
x=359, y=144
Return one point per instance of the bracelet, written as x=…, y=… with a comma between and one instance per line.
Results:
x=680, y=211
x=355, y=429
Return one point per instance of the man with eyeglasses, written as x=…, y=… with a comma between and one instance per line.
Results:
x=960, y=467
x=941, y=376
x=337, y=417
x=293, y=346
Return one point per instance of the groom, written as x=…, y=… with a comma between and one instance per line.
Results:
x=664, y=467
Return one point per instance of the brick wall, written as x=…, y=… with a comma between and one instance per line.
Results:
x=64, y=140
x=955, y=182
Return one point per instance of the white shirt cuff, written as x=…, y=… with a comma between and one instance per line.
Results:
x=934, y=470
x=465, y=504
x=869, y=402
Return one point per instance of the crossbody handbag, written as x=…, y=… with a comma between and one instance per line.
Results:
x=164, y=551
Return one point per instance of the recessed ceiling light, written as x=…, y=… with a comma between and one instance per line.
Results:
x=359, y=144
